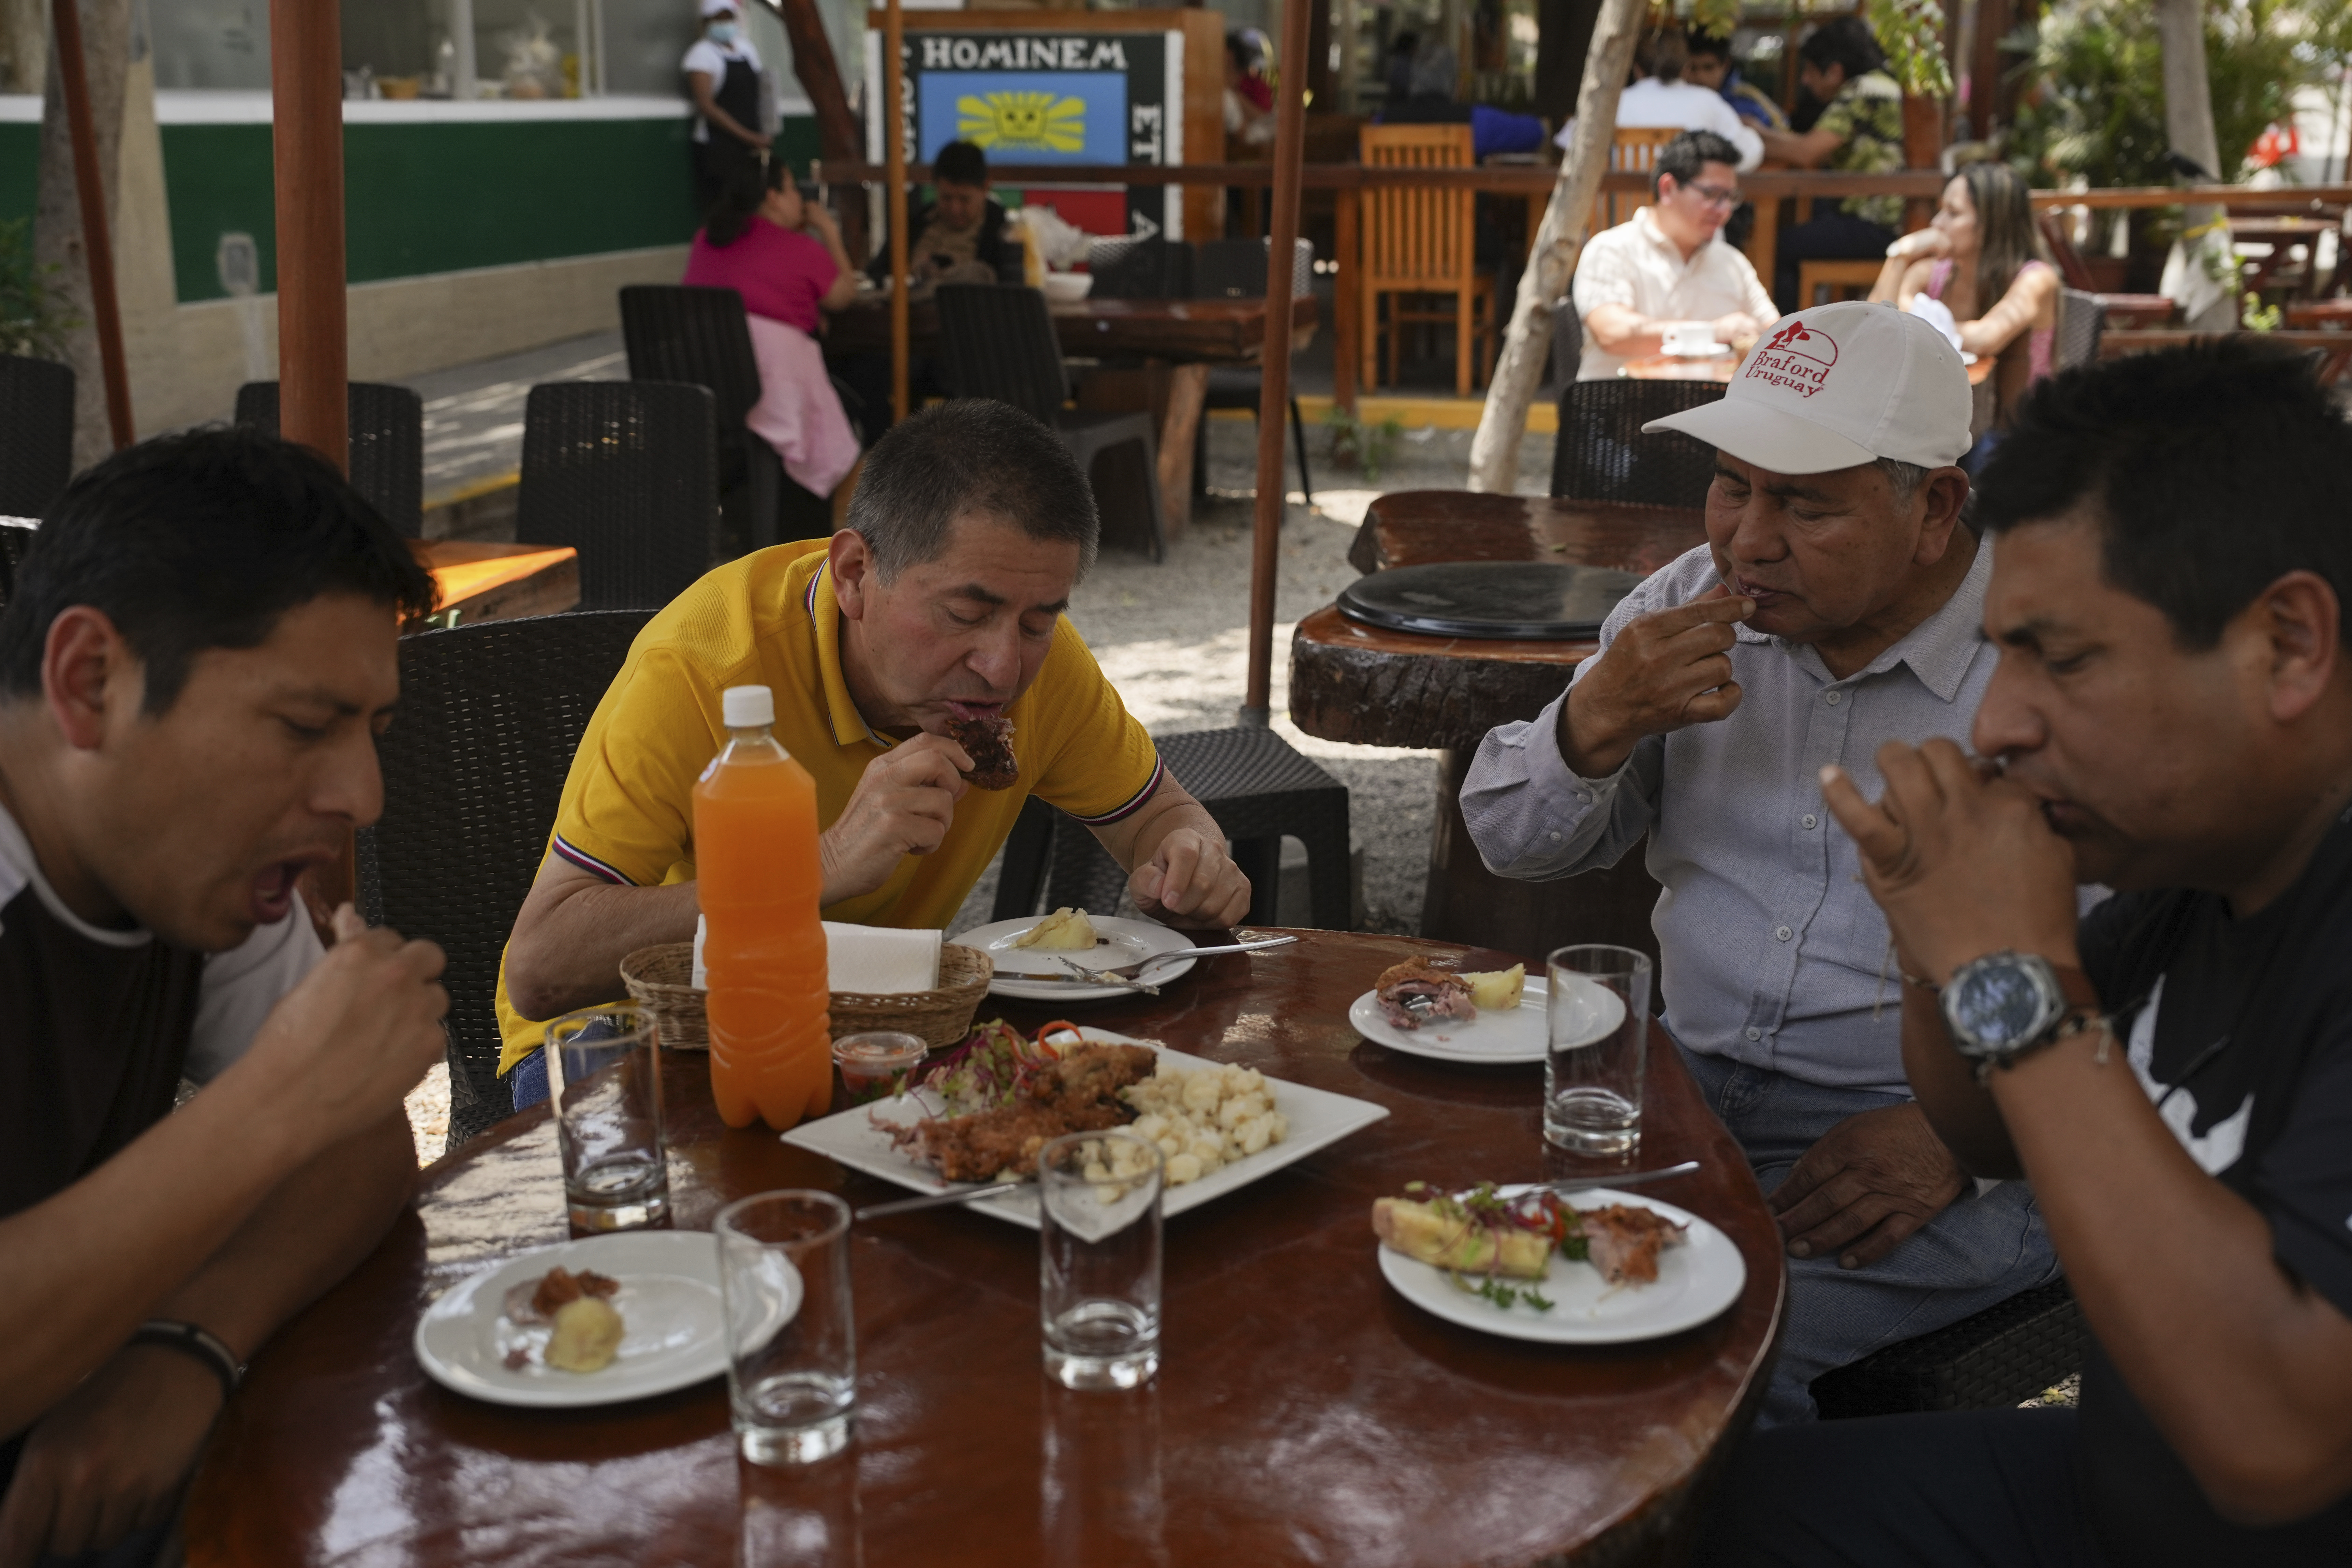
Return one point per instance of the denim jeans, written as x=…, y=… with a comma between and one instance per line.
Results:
x=1984, y=1248
x=527, y=1080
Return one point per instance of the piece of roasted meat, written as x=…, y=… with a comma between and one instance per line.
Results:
x=1623, y=1242
x=537, y=1300
x=1417, y=992
x=987, y=739
x=1078, y=1094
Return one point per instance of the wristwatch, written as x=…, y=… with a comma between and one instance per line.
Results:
x=2006, y=1005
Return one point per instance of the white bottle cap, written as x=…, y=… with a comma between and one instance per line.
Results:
x=749, y=706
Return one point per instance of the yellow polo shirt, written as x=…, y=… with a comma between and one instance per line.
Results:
x=771, y=619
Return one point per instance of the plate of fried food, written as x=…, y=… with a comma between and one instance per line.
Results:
x=981, y=1112
x=1490, y=1017
x=1025, y=953
x=585, y=1322
x=1593, y=1267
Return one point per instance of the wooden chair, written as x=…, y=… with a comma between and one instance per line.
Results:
x=1633, y=149
x=1420, y=241
x=1841, y=280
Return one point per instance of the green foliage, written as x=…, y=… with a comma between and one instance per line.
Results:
x=2093, y=105
x=1356, y=444
x=1912, y=34
x=34, y=316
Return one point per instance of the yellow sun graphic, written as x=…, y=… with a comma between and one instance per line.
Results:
x=1017, y=121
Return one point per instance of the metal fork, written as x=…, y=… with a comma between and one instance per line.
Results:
x=1130, y=973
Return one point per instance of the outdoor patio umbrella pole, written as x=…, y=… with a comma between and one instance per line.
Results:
x=894, y=158
x=89, y=191
x=1274, y=359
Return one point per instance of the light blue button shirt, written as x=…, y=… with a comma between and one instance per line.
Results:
x=1772, y=952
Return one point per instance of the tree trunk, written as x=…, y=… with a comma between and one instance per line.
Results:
x=24, y=44
x=2188, y=124
x=1551, y=255
x=57, y=213
x=820, y=78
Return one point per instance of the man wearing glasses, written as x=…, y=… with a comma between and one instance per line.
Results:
x=1665, y=268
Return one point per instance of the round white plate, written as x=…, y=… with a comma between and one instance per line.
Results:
x=1697, y=1280
x=1491, y=1038
x=1126, y=941
x=674, y=1325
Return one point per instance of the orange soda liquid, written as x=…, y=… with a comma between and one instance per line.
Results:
x=755, y=851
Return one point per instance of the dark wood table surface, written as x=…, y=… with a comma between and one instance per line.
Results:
x=483, y=581
x=1304, y=1413
x=1371, y=686
x=1218, y=331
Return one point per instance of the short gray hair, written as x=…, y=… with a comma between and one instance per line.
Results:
x=1904, y=478
x=967, y=455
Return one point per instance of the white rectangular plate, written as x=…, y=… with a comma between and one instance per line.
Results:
x=1318, y=1119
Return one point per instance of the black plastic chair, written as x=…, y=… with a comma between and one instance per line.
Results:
x=700, y=336
x=999, y=342
x=387, y=428
x=1257, y=786
x=36, y=431
x=2081, y=323
x=489, y=717
x=1140, y=269
x=627, y=472
x=2002, y=1356
x=1236, y=269
x=1603, y=454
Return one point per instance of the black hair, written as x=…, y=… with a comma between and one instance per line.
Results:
x=1843, y=41
x=1714, y=45
x=199, y=541
x=2212, y=469
x=1684, y=155
x=971, y=454
x=1241, y=49
x=960, y=163
x=741, y=197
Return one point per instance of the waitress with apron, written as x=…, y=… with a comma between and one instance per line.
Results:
x=722, y=73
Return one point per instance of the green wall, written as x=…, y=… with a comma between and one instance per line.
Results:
x=441, y=197
x=20, y=167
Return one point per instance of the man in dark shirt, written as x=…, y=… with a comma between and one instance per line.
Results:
x=2172, y=716
x=196, y=661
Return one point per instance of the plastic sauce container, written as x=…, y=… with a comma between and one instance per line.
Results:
x=873, y=1065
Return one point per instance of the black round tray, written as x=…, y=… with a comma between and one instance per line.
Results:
x=1517, y=600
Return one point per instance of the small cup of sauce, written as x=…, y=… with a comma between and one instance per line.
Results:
x=875, y=1065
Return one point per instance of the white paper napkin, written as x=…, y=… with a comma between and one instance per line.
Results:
x=873, y=960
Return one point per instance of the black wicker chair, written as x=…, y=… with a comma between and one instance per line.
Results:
x=36, y=431
x=628, y=471
x=1252, y=780
x=999, y=342
x=1603, y=454
x=16, y=538
x=2081, y=323
x=489, y=717
x=1236, y=269
x=1140, y=269
x=2003, y=1355
x=700, y=336
x=387, y=427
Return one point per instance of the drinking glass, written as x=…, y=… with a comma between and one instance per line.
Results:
x=1098, y=1238
x=791, y=1347
x=604, y=1073
x=1598, y=1021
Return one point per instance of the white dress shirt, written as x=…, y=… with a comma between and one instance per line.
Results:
x=1636, y=265
x=1653, y=105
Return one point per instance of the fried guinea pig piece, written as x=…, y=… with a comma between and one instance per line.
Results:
x=988, y=741
x=1624, y=1241
x=1417, y=992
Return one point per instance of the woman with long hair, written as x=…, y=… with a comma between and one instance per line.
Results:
x=1983, y=261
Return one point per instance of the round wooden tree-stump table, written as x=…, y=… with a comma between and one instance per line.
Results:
x=1304, y=1413
x=1371, y=686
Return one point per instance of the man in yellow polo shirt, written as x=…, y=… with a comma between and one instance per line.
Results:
x=942, y=599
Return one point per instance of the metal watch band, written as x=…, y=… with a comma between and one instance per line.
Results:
x=194, y=1339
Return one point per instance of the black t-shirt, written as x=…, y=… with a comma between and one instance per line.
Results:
x=2242, y=1033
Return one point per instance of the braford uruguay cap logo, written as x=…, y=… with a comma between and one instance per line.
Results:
x=1838, y=386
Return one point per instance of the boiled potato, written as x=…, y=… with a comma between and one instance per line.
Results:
x=1065, y=930
x=1497, y=990
x=587, y=1336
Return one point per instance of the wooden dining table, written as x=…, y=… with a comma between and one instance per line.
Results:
x=1371, y=686
x=480, y=580
x=1304, y=1413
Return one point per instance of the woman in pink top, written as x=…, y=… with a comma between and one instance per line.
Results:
x=1984, y=260
x=784, y=256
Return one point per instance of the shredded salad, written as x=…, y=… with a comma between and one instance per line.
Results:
x=992, y=1067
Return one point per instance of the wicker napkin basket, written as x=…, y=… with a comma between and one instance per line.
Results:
x=660, y=978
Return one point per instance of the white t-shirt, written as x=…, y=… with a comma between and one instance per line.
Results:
x=1653, y=105
x=1636, y=265
x=711, y=60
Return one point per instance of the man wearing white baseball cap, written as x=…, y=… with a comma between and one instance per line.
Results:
x=1837, y=604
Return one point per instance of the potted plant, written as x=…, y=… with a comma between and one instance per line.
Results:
x=1912, y=34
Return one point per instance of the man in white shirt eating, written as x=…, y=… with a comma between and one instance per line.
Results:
x=1666, y=266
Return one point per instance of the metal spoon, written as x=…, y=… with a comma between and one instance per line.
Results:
x=935, y=1200
x=1587, y=1184
x=1128, y=971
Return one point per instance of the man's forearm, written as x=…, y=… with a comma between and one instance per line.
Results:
x=568, y=942
x=1963, y=1115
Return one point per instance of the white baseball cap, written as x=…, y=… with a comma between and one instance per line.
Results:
x=718, y=8
x=1837, y=386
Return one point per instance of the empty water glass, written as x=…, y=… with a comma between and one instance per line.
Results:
x=1098, y=1282
x=792, y=1344
x=1598, y=1022
x=604, y=1075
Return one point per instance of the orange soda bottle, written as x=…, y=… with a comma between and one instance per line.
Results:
x=760, y=879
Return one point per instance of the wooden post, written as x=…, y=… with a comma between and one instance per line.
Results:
x=89, y=191
x=1273, y=361
x=1347, y=299
x=894, y=158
